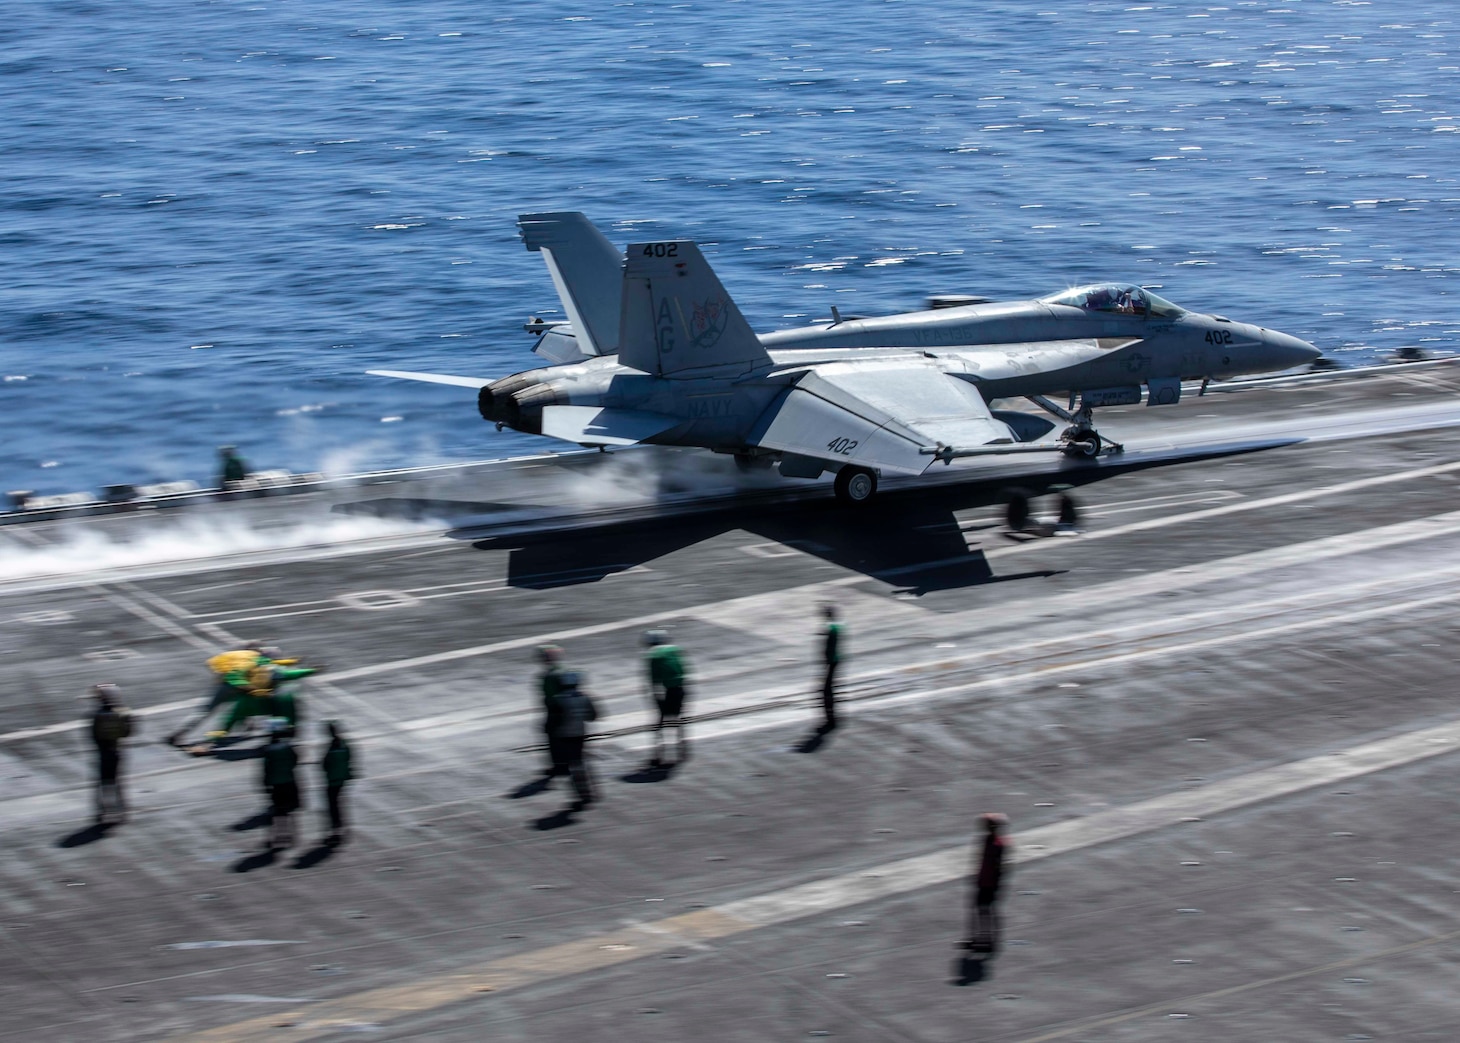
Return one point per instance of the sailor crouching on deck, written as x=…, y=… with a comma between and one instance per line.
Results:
x=231, y=670
x=267, y=691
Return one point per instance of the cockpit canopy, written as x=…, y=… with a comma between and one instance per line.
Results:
x=1117, y=299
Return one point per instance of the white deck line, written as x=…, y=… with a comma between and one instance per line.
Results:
x=1115, y=591
x=835, y=892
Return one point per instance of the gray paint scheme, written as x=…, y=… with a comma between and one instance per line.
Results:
x=888, y=394
x=584, y=267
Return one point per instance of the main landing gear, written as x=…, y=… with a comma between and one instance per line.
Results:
x=855, y=485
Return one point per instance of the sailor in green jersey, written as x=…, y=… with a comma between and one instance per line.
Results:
x=339, y=768
x=232, y=469
x=551, y=657
x=110, y=724
x=666, y=685
x=576, y=710
x=279, y=762
x=832, y=654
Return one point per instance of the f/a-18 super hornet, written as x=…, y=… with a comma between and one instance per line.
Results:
x=653, y=350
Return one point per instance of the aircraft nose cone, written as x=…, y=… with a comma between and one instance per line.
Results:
x=1291, y=351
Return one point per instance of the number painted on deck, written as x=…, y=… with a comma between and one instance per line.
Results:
x=844, y=446
x=661, y=250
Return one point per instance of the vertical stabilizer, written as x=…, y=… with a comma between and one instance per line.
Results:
x=677, y=320
x=587, y=272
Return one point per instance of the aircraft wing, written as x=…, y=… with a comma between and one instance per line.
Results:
x=887, y=416
x=432, y=378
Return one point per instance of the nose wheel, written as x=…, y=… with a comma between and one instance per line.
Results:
x=1080, y=439
x=1082, y=444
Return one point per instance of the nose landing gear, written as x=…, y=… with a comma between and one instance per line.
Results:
x=1081, y=442
x=1080, y=439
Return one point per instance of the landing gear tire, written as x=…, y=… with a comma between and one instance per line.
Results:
x=855, y=485
x=1086, y=445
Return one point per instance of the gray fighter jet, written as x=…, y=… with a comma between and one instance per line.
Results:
x=654, y=351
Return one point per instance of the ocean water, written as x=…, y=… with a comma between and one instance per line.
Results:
x=215, y=216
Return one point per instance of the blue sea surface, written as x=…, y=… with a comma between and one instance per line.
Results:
x=215, y=216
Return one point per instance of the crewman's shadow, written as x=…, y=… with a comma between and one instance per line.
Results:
x=90, y=835
x=258, y=821
x=531, y=788
x=970, y=970
x=813, y=742
x=650, y=773
x=314, y=856
x=557, y=820
x=255, y=861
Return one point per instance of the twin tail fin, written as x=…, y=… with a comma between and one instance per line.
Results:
x=587, y=273
x=676, y=320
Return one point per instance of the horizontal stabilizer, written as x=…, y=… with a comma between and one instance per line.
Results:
x=432, y=378
x=883, y=416
x=558, y=347
x=592, y=425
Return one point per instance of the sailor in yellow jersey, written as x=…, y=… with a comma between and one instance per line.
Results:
x=231, y=670
x=263, y=692
x=251, y=683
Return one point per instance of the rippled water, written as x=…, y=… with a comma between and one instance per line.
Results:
x=215, y=216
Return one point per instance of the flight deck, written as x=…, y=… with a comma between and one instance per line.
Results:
x=1220, y=717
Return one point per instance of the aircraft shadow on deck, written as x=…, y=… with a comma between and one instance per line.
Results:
x=908, y=537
